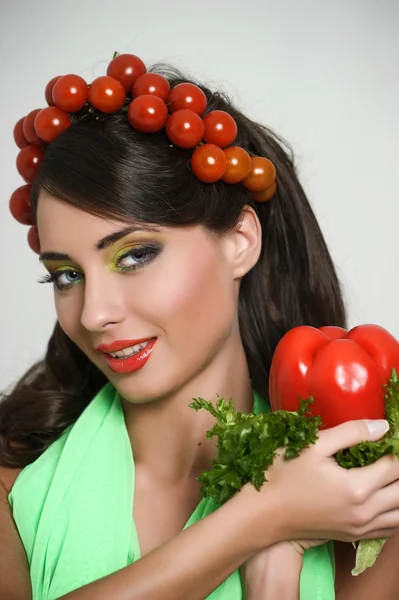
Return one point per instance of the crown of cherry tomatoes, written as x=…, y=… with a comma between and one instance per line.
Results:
x=151, y=106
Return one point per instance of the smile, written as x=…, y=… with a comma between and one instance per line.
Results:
x=130, y=351
x=123, y=358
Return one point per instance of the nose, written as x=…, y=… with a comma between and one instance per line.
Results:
x=103, y=303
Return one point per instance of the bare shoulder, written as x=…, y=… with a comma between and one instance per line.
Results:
x=8, y=477
x=14, y=571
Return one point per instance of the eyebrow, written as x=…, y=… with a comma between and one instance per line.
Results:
x=105, y=242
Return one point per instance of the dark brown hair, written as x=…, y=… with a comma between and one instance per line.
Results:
x=106, y=168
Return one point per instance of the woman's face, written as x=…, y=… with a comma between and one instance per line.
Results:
x=167, y=294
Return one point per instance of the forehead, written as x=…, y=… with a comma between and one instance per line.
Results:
x=63, y=227
x=54, y=214
x=60, y=222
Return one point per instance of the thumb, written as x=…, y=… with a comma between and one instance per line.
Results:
x=351, y=433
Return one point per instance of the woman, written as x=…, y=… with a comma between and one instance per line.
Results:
x=168, y=288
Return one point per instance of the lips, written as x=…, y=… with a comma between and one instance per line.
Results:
x=131, y=363
x=120, y=345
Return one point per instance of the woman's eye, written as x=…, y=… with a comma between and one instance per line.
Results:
x=64, y=280
x=68, y=277
x=137, y=257
x=130, y=260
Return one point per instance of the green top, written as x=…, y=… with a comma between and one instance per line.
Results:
x=73, y=508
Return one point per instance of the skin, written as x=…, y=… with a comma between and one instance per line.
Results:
x=189, y=292
x=187, y=298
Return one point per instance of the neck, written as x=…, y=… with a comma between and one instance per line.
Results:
x=168, y=437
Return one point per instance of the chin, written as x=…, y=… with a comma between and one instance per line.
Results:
x=142, y=388
x=160, y=378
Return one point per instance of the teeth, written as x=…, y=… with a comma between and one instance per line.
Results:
x=127, y=352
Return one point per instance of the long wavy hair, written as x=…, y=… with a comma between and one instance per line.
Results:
x=106, y=168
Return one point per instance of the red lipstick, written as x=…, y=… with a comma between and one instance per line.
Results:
x=120, y=345
x=131, y=363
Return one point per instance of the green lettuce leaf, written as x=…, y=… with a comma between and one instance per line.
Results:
x=365, y=454
x=247, y=444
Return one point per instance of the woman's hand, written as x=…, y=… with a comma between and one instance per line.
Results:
x=275, y=572
x=314, y=498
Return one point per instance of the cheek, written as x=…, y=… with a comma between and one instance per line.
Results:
x=68, y=309
x=193, y=291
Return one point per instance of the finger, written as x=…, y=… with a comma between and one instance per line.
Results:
x=372, y=534
x=351, y=433
x=378, y=478
x=386, y=521
x=384, y=479
x=377, y=534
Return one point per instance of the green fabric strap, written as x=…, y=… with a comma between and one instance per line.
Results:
x=73, y=508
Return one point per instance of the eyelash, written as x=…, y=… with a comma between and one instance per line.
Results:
x=151, y=251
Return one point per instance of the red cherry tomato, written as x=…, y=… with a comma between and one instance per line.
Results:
x=33, y=239
x=19, y=136
x=70, y=93
x=151, y=83
x=29, y=160
x=220, y=128
x=107, y=94
x=20, y=207
x=51, y=122
x=49, y=90
x=265, y=195
x=208, y=163
x=29, y=128
x=147, y=113
x=126, y=68
x=344, y=371
x=261, y=176
x=185, y=128
x=238, y=164
x=187, y=95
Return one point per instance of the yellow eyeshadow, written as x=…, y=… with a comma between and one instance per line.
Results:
x=113, y=264
x=54, y=265
x=58, y=269
x=121, y=252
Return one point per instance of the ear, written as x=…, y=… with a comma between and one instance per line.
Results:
x=244, y=243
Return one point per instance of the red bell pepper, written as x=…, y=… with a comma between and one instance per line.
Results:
x=343, y=371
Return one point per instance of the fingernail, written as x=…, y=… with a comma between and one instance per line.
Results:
x=377, y=428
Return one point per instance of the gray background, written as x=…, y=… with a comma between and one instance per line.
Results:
x=323, y=74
